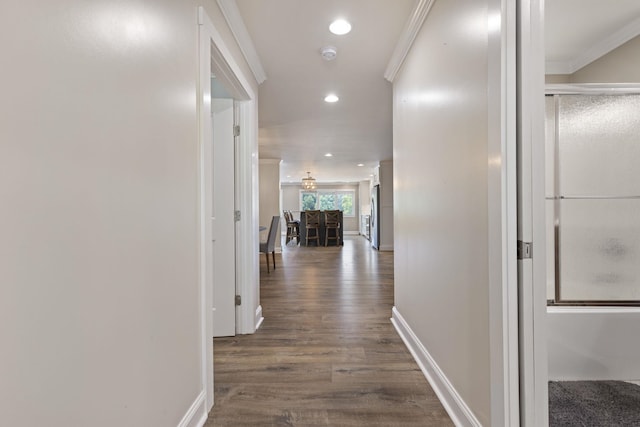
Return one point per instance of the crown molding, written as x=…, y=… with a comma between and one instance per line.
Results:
x=232, y=15
x=598, y=50
x=416, y=19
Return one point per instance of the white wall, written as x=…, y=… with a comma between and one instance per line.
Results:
x=556, y=78
x=99, y=301
x=270, y=196
x=443, y=114
x=621, y=65
x=291, y=201
x=291, y=198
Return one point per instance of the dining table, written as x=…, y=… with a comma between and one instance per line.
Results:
x=322, y=230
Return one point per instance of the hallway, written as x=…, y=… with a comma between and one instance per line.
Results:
x=326, y=354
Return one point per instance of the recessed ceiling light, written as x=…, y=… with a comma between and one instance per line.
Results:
x=360, y=164
x=340, y=27
x=331, y=98
x=328, y=155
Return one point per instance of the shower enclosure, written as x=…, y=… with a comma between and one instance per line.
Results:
x=593, y=197
x=592, y=170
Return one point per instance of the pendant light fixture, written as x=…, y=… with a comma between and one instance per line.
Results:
x=309, y=183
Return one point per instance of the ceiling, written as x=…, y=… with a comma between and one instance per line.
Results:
x=297, y=126
x=578, y=32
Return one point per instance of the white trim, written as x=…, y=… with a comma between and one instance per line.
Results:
x=534, y=401
x=592, y=89
x=502, y=202
x=416, y=19
x=204, y=230
x=196, y=416
x=227, y=70
x=460, y=413
x=386, y=248
x=247, y=263
x=248, y=285
x=258, y=319
x=598, y=50
x=232, y=15
x=212, y=49
x=592, y=310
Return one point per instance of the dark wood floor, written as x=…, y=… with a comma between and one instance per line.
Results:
x=326, y=354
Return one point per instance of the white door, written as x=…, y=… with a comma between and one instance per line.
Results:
x=222, y=219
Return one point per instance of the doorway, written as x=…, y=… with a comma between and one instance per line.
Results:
x=228, y=209
x=564, y=329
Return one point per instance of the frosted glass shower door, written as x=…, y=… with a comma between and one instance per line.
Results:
x=596, y=198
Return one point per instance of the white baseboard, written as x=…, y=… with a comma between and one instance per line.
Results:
x=460, y=413
x=259, y=319
x=386, y=248
x=197, y=415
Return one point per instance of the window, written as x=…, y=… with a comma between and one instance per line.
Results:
x=308, y=200
x=328, y=200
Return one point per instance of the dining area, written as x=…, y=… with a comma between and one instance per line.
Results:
x=315, y=228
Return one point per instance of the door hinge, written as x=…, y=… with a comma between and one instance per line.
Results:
x=236, y=216
x=236, y=130
x=525, y=250
x=238, y=300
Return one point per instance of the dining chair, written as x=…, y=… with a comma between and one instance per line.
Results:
x=270, y=243
x=293, y=227
x=312, y=222
x=332, y=222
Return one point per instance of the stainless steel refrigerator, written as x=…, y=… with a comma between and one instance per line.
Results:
x=375, y=217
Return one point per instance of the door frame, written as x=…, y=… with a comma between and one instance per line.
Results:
x=534, y=398
x=502, y=197
x=213, y=54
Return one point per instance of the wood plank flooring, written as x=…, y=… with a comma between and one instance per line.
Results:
x=326, y=354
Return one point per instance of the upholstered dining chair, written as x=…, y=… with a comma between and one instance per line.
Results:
x=332, y=222
x=270, y=244
x=312, y=222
